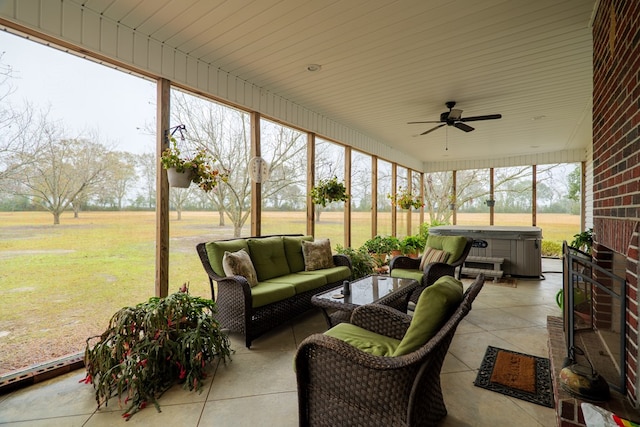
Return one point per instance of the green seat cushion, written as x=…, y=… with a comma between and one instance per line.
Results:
x=268, y=257
x=216, y=250
x=301, y=283
x=332, y=274
x=293, y=251
x=266, y=293
x=408, y=273
x=367, y=341
x=454, y=245
x=435, y=305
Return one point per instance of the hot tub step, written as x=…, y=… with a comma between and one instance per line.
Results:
x=496, y=274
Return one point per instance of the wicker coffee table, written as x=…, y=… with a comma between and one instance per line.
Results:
x=380, y=289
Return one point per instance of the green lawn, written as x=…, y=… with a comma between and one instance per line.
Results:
x=61, y=284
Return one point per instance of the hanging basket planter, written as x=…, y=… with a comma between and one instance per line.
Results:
x=179, y=179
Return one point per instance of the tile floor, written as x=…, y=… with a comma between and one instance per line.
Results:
x=258, y=387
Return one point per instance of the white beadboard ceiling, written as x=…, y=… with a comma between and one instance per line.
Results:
x=384, y=63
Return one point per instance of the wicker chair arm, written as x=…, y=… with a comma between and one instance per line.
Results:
x=402, y=261
x=341, y=260
x=436, y=270
x=381, y=319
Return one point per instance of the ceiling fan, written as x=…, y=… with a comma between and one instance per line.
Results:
x=453, y=117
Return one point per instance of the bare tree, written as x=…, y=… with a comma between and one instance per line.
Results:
x=60, y=171
x=224, y=133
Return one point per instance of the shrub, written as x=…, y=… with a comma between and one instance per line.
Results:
x=551, y=249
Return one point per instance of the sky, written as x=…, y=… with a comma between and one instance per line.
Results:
x=86, y=97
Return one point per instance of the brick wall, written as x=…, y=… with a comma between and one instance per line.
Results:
x=616, y=148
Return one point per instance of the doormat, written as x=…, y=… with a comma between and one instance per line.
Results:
x=516, y=375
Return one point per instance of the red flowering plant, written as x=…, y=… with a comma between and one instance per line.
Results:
x=148, y=348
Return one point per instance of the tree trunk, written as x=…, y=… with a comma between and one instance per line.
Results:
x=237, y=229
x=221, y=219
x=56, y=218
x=179, y=212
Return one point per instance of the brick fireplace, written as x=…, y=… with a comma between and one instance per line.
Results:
x=616, y=156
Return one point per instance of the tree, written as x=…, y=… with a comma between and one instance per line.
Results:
x=119, y=176
x=61, y=170
x=575, y=184
x=224, y=133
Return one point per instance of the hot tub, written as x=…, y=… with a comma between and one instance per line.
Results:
x=519, y=246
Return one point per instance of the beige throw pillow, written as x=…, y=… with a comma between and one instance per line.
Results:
x=317, y=255
x=239, y=264
x=433, y=255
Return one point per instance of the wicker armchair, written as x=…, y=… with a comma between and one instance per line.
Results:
x=340, y=385
x=431, y=272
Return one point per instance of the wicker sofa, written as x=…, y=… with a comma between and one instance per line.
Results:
x=284, y=286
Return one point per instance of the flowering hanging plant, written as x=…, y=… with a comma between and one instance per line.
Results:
x=327, y=191
x=200, y=166
x=405, y=199
x=148, y=348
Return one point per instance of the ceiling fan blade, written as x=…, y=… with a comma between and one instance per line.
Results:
x=454, y=114
x=463, y=127
x=477, y=118
x=430, y=121
x=432, y=129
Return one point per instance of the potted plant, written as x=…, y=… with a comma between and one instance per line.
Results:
x=583, y=241
x=362, y=263
x=148, y=348
x=182, y=170
x=380, y=247
x=405, y=200
x=328, y=191
x=412, y=245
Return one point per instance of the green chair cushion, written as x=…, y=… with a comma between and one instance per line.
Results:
x=452, y=244
x=293, y=251
x=332, y=274
x=301, y=283
x=216, y=250
x=370, y=342
x=408, y=273
x=435, y=305
x=268, y=257
x=267, y=293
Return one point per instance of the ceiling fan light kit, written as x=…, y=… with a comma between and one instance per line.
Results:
x=454, y=118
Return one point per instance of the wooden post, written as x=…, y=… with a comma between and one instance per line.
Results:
x=256, y=187
x=311, y=177
x=347, y=204
x=394, y=190
x=422, y=197
x=374, y=196
x=455, y=197
x=491, y=196
x=162, y=189
x=534, y=195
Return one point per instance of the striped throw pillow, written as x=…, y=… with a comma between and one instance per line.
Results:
x=433, y=255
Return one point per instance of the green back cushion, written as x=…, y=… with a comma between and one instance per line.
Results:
x=370, y=342
x=454, y=245
x=435, y=305
x=268, y=257
x=216, y=250
x=293, y=251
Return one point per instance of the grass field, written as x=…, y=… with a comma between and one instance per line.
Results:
x=61, y=284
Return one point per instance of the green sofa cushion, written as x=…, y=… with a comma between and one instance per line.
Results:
x=293, y=251
x=333, y=274
x=435, y=305
x=267, y=293
x=408, y=273
x=370, y=342
x=216, y=250
x=452, y=244
x=301, y=283
x=268, y=257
